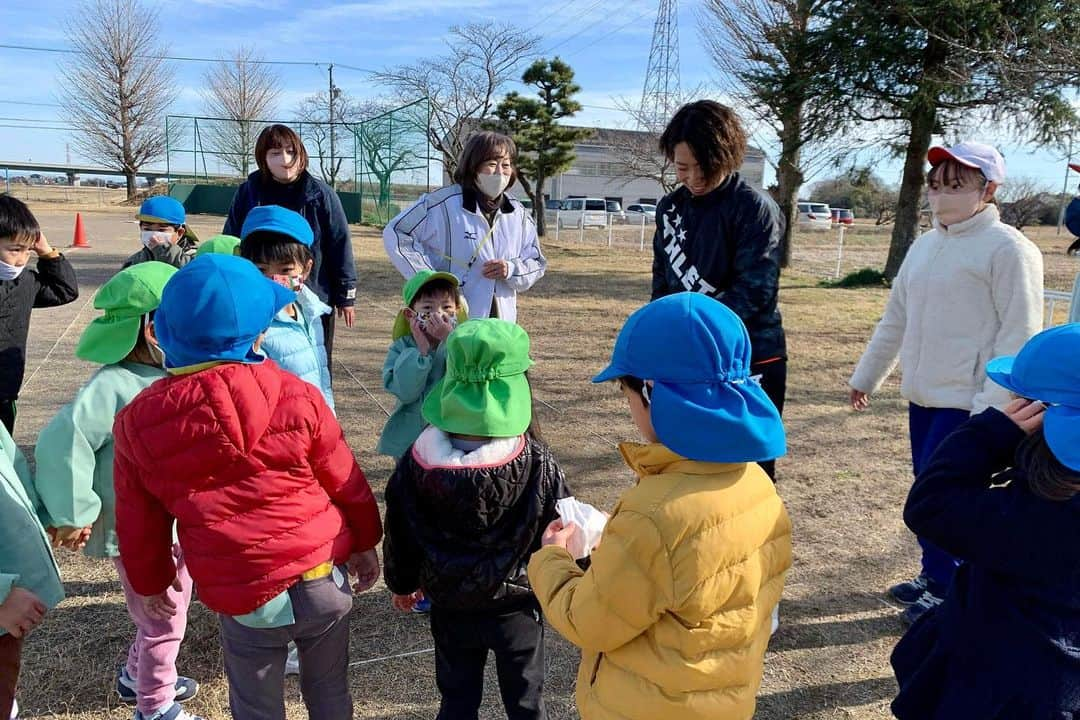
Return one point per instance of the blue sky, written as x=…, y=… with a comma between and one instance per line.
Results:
x=606, y=42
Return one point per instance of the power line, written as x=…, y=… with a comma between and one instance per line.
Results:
x=609, y=33
x=550, y=15
x=582, y=30
x=70, y=51
x=25, y=102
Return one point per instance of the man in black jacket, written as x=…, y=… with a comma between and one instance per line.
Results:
x=719, y=236
x=52, y=283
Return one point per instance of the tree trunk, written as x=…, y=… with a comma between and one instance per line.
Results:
x=789, y=178
x=538, y=207
x=922, y=118
x=132, y=187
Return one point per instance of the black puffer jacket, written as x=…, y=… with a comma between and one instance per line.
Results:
x=462, y=533
x=724, y=244
x=50, y=284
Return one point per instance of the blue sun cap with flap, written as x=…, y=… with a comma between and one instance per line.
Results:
x=703, y=404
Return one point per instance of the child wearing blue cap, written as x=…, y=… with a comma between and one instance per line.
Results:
x=279, y=241
x=164, y=234
x=674, y=613
x=270, y=507
x=1002, y=493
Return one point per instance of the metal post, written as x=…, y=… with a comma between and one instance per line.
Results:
x=610, y=225
x=840, y=252
x=642, y=247
x=427, y=150
x=581, y=226
x=558, y=224
x=167, y=172
x=7, y=180
x=333, y=173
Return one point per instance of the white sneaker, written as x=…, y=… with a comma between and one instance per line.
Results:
x=775, y=620
x=292, y=662
x=14, y=710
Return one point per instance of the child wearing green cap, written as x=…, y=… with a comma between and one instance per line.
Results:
x=219, y=245
x=417, y=357
x=465, y=509
x=164, y=233
x=74, y=480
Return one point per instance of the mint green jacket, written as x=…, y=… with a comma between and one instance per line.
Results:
x=26, y=558
x=74, y=455
x=408, y=376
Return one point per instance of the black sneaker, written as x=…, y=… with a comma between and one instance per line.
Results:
x=909, y=592
x=927, y=602
x=186, y=688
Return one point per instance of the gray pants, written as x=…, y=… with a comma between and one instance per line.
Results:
x=255, y=658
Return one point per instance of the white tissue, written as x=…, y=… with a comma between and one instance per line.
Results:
x=589, y=519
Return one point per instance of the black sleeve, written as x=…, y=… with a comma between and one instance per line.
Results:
x=756, y=276
x=554, y=481
x=56, y=282
x=660, y=259
x=953, y=505
x=238, y=211
x=401, y=553
x=337, y=251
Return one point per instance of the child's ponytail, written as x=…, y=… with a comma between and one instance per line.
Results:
x=1045, y=474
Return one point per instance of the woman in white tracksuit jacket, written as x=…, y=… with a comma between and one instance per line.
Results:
x=474, y=230
x=969, y=290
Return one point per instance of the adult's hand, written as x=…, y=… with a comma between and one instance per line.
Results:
x=859, y=400
x=347, y=313
x=496, y=269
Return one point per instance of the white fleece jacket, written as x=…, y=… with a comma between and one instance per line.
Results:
x=964, y=295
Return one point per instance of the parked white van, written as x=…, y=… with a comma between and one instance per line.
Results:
x=587, y=212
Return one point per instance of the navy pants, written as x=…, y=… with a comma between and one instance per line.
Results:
x=928, y=427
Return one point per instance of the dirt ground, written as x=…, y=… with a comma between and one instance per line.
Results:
x=844, y=480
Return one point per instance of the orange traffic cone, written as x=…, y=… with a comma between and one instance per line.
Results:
x=80, y=234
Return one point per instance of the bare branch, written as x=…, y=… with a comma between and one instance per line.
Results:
x=244, y=91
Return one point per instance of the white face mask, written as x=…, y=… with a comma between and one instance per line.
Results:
x=950, y=208
x=492, y=184
x=10, y=272
x=155, y=350
x=153, y=238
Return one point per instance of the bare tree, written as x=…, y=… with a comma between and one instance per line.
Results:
x=117, y=87
x=639, y=152
x=390, y=140
x=766, y=51
x=241, y=90
x=1024, y=201
x=464, y=84
x=316, y=125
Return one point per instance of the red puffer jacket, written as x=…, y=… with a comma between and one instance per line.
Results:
x=253, y=466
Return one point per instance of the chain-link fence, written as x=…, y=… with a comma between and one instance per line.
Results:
x=385, y=159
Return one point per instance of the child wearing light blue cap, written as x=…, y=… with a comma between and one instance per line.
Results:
x=1002, y=493
x=278, y=241
x=164, y=233
x=674, y=613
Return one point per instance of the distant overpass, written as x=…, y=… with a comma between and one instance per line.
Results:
x=74, y=171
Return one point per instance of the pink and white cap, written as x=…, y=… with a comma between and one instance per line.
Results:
x=974, y=155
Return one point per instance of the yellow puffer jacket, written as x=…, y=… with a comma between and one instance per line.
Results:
x=673, y=615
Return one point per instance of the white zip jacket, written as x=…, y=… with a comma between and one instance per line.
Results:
x=964, y=295
x=444, y=231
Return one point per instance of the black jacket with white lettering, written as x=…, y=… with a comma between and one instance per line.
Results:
x=724, y=244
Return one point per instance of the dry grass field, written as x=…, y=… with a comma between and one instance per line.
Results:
x=844, y=480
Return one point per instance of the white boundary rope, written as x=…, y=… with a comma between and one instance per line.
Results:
x=391, y=657
x=56, y=344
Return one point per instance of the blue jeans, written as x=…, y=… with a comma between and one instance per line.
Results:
x=928, y=427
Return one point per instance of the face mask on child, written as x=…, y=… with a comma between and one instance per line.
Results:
x=153, y=238
x=950, y=208
x=422, y=319
x=492, y=185
x=154, y=349
x=291, y=282
x=10, y=272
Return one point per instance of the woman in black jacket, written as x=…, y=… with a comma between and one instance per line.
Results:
x=283, y=179
x=719, y=236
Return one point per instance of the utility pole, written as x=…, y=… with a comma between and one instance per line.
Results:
x=333, y=170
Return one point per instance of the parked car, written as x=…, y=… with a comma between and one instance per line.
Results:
x=583, y=212
x=552, y=204
x=614, y=209
x=842, y=216
x=527, y=203
x=814, y=216
x=640, y=211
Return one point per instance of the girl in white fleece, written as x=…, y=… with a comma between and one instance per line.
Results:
x=969, y=289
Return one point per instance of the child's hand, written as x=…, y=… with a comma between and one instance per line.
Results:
x=159, y=606
x=72, y=538
x=422, y=342
x=439, y=326
x=1027, y=414
x=21, y=612
x=561, y=535
x=859, y=400
x=365, y=567
x=41, y=246
x=405, y=603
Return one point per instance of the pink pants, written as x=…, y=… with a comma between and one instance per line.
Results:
x=151, y=661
